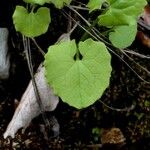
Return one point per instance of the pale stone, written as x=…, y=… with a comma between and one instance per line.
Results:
x=28, y=107
x=4, y=57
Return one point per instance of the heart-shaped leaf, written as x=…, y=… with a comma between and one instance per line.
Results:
x=40, y=2
x=123, y=36
x=122, y=12
x=95, y=4
x=79, y=82
x=31, y=24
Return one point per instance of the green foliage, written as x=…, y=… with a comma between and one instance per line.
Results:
x=31, y=24
x=40, y=2
x=123, y=36
x=121, y=12
x=121, y=15
x=95, y=4
x=78, y=82
x=60, y=3
x=147, y=103
x=96, y=134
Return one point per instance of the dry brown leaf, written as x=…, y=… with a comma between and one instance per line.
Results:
x=146, y=15
x=145, y=26
x=145, y=40
x=112, y=136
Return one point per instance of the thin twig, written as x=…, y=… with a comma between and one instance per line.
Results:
x=66, y=15
x=79, y=7
x=137, y=54
x=93, y=29
x=80, y=3
x=94, y=146
x=39, y=48
x=26, y=43
x=127, y=109
x=130, y=58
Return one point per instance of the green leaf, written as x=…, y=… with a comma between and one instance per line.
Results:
x=78, y=82
x=123, y=36
x=60, y=3
x=95, y=4
x=122, y=12
x=40, y=2
x=147, y=103
x=31, y=24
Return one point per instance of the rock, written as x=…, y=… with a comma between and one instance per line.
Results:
x=4, y=57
